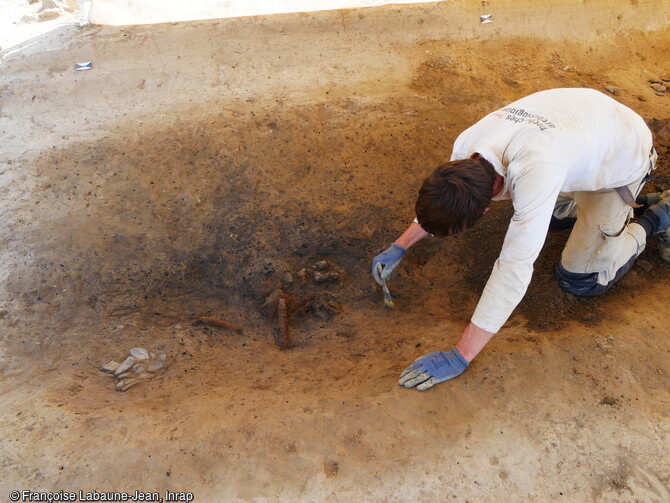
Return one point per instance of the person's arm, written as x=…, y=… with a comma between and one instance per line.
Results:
x=533, y=204
x=412, y=235
x=473, y=341
x=384, y=263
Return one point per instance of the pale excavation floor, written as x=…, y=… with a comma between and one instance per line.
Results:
x=196, y=164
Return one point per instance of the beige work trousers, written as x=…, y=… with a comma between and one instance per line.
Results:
x=603, y=240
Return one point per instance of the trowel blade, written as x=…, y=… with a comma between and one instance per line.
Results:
x=388, y=302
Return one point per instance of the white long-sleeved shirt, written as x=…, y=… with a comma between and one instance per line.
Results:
x=560, y=140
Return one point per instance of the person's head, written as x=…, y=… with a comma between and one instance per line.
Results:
x=454, y=196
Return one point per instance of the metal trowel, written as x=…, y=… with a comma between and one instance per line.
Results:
x=388, y=302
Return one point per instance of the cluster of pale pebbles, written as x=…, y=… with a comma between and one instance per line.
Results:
x=141, y=365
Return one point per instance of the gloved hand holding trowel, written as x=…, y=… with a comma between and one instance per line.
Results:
x=384, y=263
x=561, y=156
x=382, y=267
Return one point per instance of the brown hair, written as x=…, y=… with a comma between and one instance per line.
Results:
x=455, y=195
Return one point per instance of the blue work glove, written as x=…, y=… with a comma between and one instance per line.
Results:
x=433, y=368
x=389, y=259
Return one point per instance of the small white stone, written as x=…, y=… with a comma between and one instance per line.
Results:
x=126, y=384
x=161, y=356
x=49, y=4
x=45, y=14
x=110, y=367
x=154, y=366
x=613, y=90
x=125, y=366
x=139, y=353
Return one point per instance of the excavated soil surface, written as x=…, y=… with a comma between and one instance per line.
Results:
x=198, y=167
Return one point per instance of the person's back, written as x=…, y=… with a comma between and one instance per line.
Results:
x=595, y=141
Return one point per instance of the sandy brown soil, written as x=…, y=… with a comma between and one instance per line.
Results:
x=196, y=165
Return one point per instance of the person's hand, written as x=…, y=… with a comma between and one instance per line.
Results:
x=389, y=259
x=433, y=368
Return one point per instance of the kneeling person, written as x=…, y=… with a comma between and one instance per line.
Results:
x=563, y=157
